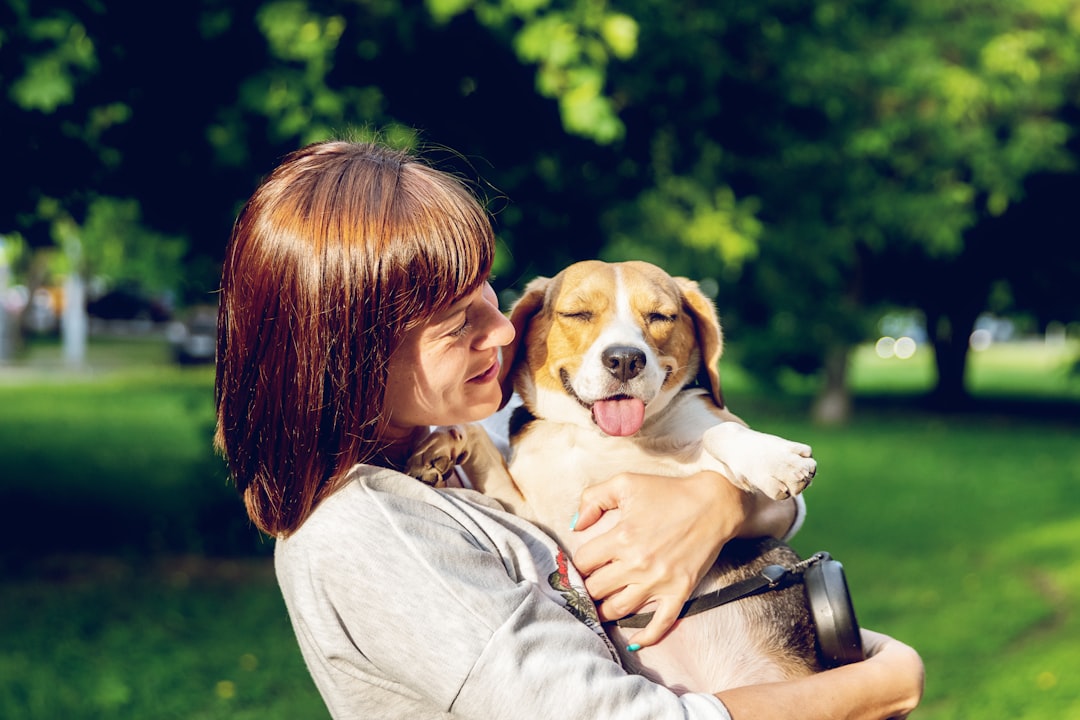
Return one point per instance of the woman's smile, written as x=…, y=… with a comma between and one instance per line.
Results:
x=488, y=375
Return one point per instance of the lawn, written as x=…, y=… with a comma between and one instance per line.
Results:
x=961, y=537
x=132, y=587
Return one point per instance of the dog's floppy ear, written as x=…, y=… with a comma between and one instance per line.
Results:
x=710, y=338
x=521, y=314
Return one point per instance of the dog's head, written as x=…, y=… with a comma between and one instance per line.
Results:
x=611, y=344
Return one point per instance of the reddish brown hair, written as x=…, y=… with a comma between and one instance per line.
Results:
x=340, y=251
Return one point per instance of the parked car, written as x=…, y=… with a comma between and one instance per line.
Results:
x=194, y=336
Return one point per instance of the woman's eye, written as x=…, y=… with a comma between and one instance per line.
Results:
x=461, y=330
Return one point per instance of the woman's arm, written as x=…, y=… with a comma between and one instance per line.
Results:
x=772, y=518
x=668, y=535
x=889, y=684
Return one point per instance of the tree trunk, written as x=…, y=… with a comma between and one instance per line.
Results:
x=7, y=320
x=950, y=340
x=833, y=403
x=74, y=323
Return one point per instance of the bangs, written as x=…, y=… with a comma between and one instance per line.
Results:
x=466, y=265
x=449, y=242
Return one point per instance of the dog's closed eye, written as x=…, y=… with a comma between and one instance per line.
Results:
x=656, y=318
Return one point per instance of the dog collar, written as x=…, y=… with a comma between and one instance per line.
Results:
x=770, y=577
x=831, y=610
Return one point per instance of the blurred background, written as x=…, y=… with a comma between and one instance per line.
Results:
x=880, y=197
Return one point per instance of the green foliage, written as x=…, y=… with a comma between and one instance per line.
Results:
x=873, y=140
x=12, y=250
x=121, y=249
x=296, y=33
x=444, y=10
x=807, y=160
x=295, y=94
x=63, y=53
x=113, y=246
x=956, y=106
x=694, y=212
x=682, y=212
x=571, y=44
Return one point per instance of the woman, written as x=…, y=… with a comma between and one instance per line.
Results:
x=356, y=313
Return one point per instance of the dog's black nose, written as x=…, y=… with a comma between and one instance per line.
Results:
x=623, y=361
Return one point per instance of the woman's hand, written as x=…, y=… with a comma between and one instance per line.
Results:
x=902, y=665
x=668, y=535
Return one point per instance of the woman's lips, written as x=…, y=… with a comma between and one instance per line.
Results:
x=488, y=375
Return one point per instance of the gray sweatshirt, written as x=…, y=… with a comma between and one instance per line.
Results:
x=413, y=603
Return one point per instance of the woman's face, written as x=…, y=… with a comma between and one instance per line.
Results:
x=447, y=371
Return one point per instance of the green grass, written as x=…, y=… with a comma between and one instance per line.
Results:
x=175, y=638
x=133, y=587
x=961, y=538
x=961, y=533
x=116, y=461
x=1028, y=369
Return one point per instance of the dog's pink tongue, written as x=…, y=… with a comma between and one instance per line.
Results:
x=619, y=417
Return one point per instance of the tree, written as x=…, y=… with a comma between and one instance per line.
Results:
x=74, y=120
x=504, y=82
x=799, y=155
x=866, y=133
x=186, y=121
x=967, y=103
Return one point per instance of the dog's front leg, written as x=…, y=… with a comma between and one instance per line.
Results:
x=435, y=456
x=777, y=467
x=469, y=446
x=487, y=471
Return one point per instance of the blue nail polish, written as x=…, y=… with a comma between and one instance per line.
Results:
x=573, y=521
x=633, y=647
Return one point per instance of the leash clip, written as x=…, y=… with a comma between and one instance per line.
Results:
x=774, y=574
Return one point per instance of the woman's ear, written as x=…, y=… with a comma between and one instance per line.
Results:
x=521, y=314
x=709, y=335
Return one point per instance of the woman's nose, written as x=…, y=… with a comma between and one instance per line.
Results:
x=498, y=330
x=503, y=332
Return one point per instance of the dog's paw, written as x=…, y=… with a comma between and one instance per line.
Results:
x=434, y=458
x=777, y=467
x=788, y=470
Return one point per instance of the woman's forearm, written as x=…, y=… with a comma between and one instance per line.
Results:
x=768, y=518
x=887, y=685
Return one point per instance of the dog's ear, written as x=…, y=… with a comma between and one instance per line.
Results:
x=710, y=337
x=521, y=314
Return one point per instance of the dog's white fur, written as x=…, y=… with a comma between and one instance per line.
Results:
x=560, y=366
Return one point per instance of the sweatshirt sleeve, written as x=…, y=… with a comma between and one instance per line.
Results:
x=537, y=665
x=425, y=606
x=800, y=518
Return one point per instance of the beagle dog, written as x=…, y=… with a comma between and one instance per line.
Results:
x=616, y=366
